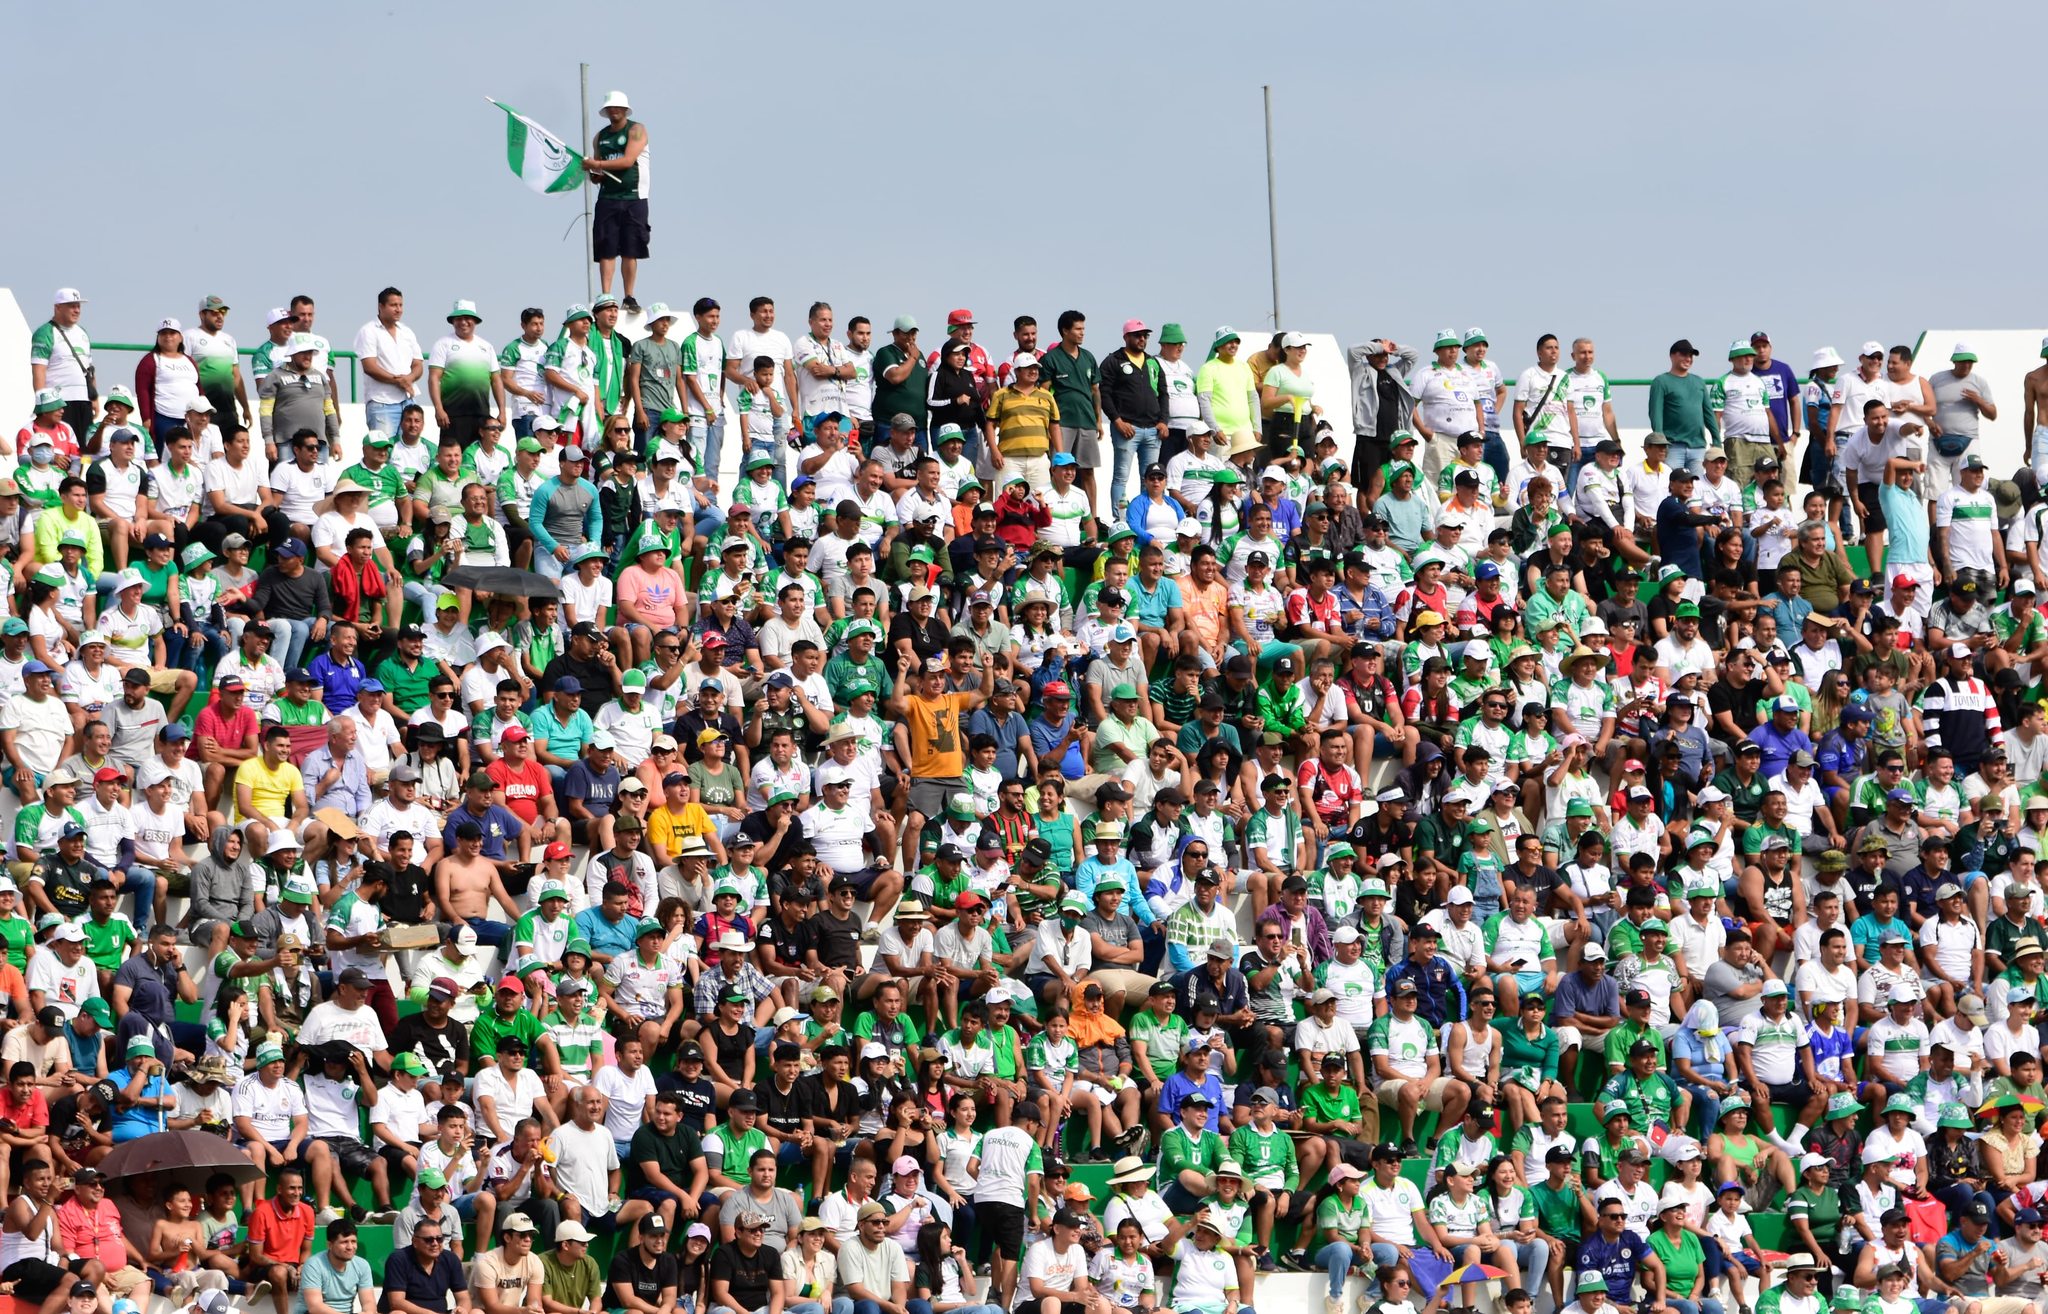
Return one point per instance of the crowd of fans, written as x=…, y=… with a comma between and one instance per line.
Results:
x=559, y=839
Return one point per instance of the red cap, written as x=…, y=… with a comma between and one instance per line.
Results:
x=968, y=899
x=1055, y=689
x=557, y=851
x=712, y=641
x=516, y=735
x=954, y=318
x=1905, y=582
x=107, y=774
x=1632, y=764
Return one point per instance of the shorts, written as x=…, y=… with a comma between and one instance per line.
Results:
x=929, y=794
x=1873, y=509
x=162, y=680
x=355, y=1156
x=1001, y=1223
x=1102, y=1095
x=1084, y=445
x=619, y=229
x=1432, y=1098
x=35, y=1279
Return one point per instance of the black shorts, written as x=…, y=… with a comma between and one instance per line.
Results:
x=355, y=1156
x=1002, y=1224
x=1873, y=509
x=35, y=1279
x=619, y=229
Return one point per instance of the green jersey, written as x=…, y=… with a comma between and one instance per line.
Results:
x=1180, y=1149
x=386, y=485
x=1320, y=1104
x=1349, y=1221
x=106, y=943
x=1163, y=1041
x=579, y=1040
x=469, y=373
x=1650, y=1099
x=16, y=933
x=1267, y=1157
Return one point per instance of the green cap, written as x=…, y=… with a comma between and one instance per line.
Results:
x=71, y=538
x=647, y=926
x=1473, y=336
x=1170, y=333
x=1374, y=889
x=409, y=1062
x=197, y=554
x=99, y=1010
x=1847, y=1297
x=268, y=1053
x=1115, y=883
x=445, y=601
x=434, y=1180
x=1227, y=476
x=531, y=445
x=1590, y=1280
x=1074, y=904
x=464, y=309
x=1339, y=850
x=1579, y=807
x=140, y=1047
x=1448, y=338
x=960, y=807
x=575, y=312
x=1843, y=1105
x=1901, y=1103
x=376, y=438
x=1740, y=347
x=1653, y=924
x=1954, y=1115
x=673, y=416
x=1685, y=609
x=633, y=679
x=759, y=463
x=1123, y=691
x=1229, y=334
x=1120, y=533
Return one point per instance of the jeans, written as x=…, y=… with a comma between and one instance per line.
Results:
x=1384, y=1255
x=545, y=565
x=288, y=639
x=1533, y=1257
x=201, y=650
x=490, y=932
x=709, y=440
x=925, y=1307
x=426, y=596
x=383, y=416
x=1336, y=1259
x=1958, y=1195
x=710, y=522
x=1494, y=451
x=1706, y=1105
x=1695, y=460
x=840, y=1305
x=141, y=882
x=1142, y=447
x=1707, y=1305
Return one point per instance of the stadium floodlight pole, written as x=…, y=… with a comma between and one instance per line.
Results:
x=1272, y=211
x=589, y=256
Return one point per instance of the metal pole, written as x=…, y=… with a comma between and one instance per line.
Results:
x=589, y=290
x=1272, y=210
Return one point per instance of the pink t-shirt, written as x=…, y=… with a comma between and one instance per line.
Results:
x=653, y=595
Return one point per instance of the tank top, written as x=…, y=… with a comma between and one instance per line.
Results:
x=17, y=1246
x=1778, y=898
x=629, y=184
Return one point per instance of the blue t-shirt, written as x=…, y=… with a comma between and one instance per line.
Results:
x=1007, y=733
x=499, y=824
x=1678, y=539
x=338, y=1290
x=338, y=681
x=1614, y=1260
x=1177, y=1088
x=594, y=789
x=134, y=1120
x=1151, y=608
x=563, y=738
x=606, y=938
x=1783, y=385
x=1906, y=517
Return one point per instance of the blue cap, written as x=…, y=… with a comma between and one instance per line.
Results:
x=568, y=684
x=72, y=830
x=1062, y=458
x=300, y=675
x=176, y=730
x=1900, y=795
x=1487, y=570
x=800, y=481
x=1856, y=712
x=292, y=548
x=33, y=667
x=2027, y=1216
x=370, y=686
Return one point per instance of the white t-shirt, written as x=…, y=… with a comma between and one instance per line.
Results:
x=513, y=1103
x=627, y=1098
x=270, y=1108
x=583, y=1164
x=239, y=484
x=748, y=344
x=1393, y=1209
x=394, y=349
x=1052, y=1266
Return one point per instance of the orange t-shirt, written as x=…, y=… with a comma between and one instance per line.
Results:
x=1207, y=611
x=524, y=789
x=937, y=746
x=279, y=1237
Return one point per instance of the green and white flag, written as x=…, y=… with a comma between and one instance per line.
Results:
x=538, y=156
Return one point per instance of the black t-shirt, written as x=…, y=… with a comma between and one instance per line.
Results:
x=836, y=1104
x=927, y=640
x=1739, y=701
x=698, y=1098
x=671, y=1155
x=836, y=940
x=693, y=722
x=441, y=1049
x=786, y=942
x=731, y=1049
x=747, y=1276
x=647, y=1280
x=593, y=675
x=405, y=889
x=784, y=1112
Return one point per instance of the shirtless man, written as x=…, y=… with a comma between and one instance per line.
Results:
x=466, y=882
x=2034, y=416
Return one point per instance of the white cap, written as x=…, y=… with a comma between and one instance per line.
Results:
x=68, y=931
x=1903, y=992
x=1962, y=349
x=1188, y=525
x=1594, y=951
x=279, y=314
x=1871, y=349
x=169, y=323
x=616, y=100
x=1024, y=360
x=64, y=296
x=1593, y=625
x=1825, y=357
x=1275, y=473
x=1673, y=1197
x=1713, y=794
x=1293, y=340
x=1459, y=894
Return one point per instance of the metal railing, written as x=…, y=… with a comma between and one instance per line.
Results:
x=140, y=348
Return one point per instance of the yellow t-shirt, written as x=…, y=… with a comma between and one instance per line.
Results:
x=1023, y=421
x=269, y=790
x=669, y=829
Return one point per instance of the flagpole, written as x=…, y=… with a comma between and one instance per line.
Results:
x=1272, y=211
x=589, y=289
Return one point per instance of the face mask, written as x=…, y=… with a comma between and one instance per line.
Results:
x=41, y=455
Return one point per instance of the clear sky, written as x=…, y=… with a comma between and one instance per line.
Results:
x=1632, y=172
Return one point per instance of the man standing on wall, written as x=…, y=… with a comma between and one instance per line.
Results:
x=619, y=165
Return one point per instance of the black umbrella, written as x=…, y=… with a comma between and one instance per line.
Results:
x=189, y=1157
x=503, y=581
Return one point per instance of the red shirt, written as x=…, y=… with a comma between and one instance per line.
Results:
x=230, y=733
x=1332, y=789
x=95, y=1235
x=1305, y=609
x=31, y=1112
x=280, y=1237
x=523, y=789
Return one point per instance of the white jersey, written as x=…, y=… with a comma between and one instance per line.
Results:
x=1587, y=396
x=1744, y=404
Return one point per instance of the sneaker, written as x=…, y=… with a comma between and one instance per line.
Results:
x=1266, y=1264
x=259, y=1291
x=328, y=1215
x=1408, y=1148
x=1333, y=1305
x=630, y=306
x=381, y=1217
